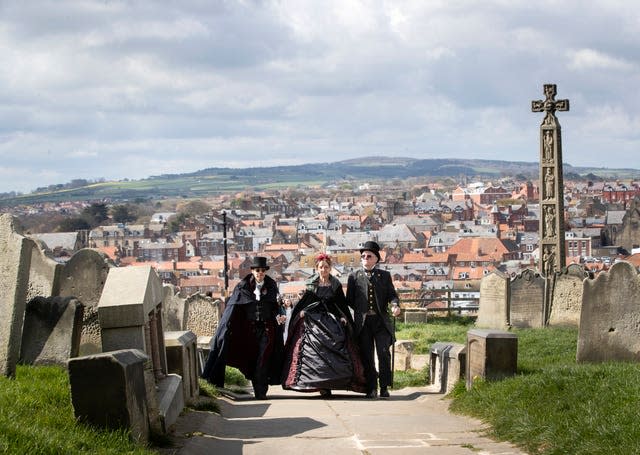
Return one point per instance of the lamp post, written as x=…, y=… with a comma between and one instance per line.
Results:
x=224, y=245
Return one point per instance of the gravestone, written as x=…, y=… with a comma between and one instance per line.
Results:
x=15, y=262
x=108, y=390
x=173, y=309
x=419, y=361
x=526, y=300
x=610, y=316
x=415, y=315
x=447, y=365
x=182, y=360
x=493, y=311
x=83, y=277
x=51, y=332
x=491, y=355
x=403, y=350
x=44, y=273
x=130, y=313
x=204, y=347
x=201, y=315
x=567, y=296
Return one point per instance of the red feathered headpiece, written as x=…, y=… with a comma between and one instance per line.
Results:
x=323, y=257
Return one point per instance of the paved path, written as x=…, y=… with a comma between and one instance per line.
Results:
x=412, y=421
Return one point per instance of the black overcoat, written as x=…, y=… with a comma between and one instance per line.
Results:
x=384, y=291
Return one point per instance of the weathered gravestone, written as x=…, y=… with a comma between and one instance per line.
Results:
x=403, y=349
x=526, y=300
x=567, y=296
x=15, y=262
x=415, y=315
x=491, y=355
x=51, y=332
x=83, y=277
x=182, y=360
x=44, y=273
x=493, y=311
x=610, y=316
x=130, y=313
x=201, y=315
x=108, y=390
x=173, y=309
x=447, y=365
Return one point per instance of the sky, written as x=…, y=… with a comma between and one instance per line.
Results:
x=129, y=89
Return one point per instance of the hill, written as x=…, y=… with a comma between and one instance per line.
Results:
x=215, y=180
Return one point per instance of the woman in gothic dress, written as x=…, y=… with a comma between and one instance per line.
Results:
x=320, y=354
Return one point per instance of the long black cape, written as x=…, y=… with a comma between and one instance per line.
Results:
x=233, y=347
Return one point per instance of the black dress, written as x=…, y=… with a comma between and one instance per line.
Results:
x=320, y=353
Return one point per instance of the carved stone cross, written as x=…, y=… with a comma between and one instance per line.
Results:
x=550, y=105
x=552, y=241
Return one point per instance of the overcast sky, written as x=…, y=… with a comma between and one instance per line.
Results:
x=128, y=89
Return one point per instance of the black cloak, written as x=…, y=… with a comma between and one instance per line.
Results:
x=233, y=347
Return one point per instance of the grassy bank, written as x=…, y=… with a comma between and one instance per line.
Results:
x=552, y=405
x=36, y=417
x=556, y=406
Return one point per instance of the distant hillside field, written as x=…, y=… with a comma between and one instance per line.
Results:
x=211, y=181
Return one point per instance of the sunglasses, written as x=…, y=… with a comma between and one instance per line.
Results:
x=260, y=270
x=367, y=256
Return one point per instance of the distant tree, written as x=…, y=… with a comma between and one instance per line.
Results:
x=175, y=222
x=73, y=224
x=122, y=214
x=95, y=214
x=194, y=208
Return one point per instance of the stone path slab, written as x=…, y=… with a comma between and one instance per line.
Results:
x=412, y=421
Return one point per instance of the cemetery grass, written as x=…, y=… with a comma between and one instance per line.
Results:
x=556, y=406
x=36, y=417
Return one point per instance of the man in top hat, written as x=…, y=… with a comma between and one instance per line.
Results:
x=370, y=291
x=250, y=332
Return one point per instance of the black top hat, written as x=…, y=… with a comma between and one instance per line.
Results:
x=259, y=262
x=373, y=247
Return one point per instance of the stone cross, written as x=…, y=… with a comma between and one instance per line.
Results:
x=552, y=248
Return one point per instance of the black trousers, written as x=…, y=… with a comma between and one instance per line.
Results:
x=260, y=379
x=375, y=335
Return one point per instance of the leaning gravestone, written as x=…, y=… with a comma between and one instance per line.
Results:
x=610, y=316
x=526, y=302
x=15, y=261
x=51, y=332
x=83, y=277
x=108, y=390
x=493, y=311
x=567, y=296
x=44, y=273
x=173, y=309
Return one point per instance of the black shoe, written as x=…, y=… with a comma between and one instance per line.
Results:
x=325, y=393
x=372, y=394
x=261, y=396
x=384, y=392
